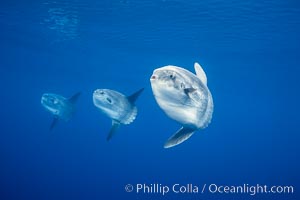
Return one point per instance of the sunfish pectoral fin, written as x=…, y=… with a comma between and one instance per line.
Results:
x=114, y=127
x=187, y=91
x=200, y=73
x=74, y=98
x=132, y=98
x=180, y=136
x=54, y=122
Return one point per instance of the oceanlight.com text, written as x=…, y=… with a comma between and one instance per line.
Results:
x=250, y=189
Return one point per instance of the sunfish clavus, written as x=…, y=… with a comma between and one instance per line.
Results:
x=184, y=97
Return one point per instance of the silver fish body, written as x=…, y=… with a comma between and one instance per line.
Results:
x=120, y=108
x=115, y=105
x=184, y=97
x=60, y=107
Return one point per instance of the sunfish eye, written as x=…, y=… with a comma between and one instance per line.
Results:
x=172, y=76
x=181, y=85
x=109, y=100
x=54, y=101
x=101, y=92
x=51, y=100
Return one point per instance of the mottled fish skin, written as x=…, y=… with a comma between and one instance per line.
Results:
x=58, y=105
x=184, y=97
x=120, y=108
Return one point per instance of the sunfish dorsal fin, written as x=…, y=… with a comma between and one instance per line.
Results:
x=132, y=98
x=180, y=136
x=74, y=98
x=114, y=127
x=200, y=73
x=54, y=122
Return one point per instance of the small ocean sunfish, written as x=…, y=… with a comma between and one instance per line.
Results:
x=59, y=106
x=184, y=97
x=118, y=107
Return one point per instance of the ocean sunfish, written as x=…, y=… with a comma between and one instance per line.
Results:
x=184, y=97
x=59, y=106
x=118, y=107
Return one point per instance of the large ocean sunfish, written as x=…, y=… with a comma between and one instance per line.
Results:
x=184, y=97
x=120, y=108
x=59, y=106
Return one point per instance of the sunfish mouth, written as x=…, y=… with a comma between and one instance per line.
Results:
x=153, y=77
x=44, y=98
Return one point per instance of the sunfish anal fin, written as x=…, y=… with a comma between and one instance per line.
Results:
x=180, y=136
x=73, y=99
x=132, y=98
x=114, y=127
x=54, y=122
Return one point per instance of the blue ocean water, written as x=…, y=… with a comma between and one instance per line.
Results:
x=250, y=51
